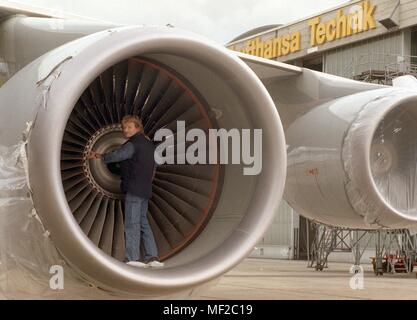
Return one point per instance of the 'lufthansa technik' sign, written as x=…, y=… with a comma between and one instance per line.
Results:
x=360, y=18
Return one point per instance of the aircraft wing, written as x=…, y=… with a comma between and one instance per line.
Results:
x=266, y=69
x=10, y=8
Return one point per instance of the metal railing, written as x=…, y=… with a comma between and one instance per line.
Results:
x=381, y=67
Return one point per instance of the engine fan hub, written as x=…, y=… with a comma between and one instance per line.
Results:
x=383, y=158
x=104, y=178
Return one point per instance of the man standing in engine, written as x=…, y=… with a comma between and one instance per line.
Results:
x=137, y=165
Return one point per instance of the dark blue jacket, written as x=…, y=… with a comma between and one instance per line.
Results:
x=137, y=172
x=137, y=168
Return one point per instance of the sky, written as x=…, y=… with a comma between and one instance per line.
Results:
x=219, y=20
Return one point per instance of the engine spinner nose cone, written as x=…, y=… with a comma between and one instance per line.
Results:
x=383, y=158
x=104, y=177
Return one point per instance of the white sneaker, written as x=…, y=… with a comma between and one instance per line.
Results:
x=155, y=264
x=137, y=264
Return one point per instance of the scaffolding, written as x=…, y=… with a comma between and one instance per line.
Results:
x=395, y=250
x=381, y=68
x=326, y=240
x=394, y=70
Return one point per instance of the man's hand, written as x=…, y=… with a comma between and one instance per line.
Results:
x=94, y=155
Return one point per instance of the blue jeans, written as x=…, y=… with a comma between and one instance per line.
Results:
x=137, y=227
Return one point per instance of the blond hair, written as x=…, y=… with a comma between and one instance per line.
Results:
x=135, y=120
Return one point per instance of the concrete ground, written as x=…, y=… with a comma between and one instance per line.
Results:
x=271, y=279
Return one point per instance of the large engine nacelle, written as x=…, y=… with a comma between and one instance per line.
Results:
x=206, y=218
x=352, y=160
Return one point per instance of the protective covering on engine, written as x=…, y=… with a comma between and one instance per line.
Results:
x=30, y=265
x=392, y=159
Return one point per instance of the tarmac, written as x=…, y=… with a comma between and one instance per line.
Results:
x=271, y=279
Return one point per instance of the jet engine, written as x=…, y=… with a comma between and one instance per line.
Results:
x=352, y=151
x=206, y=217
